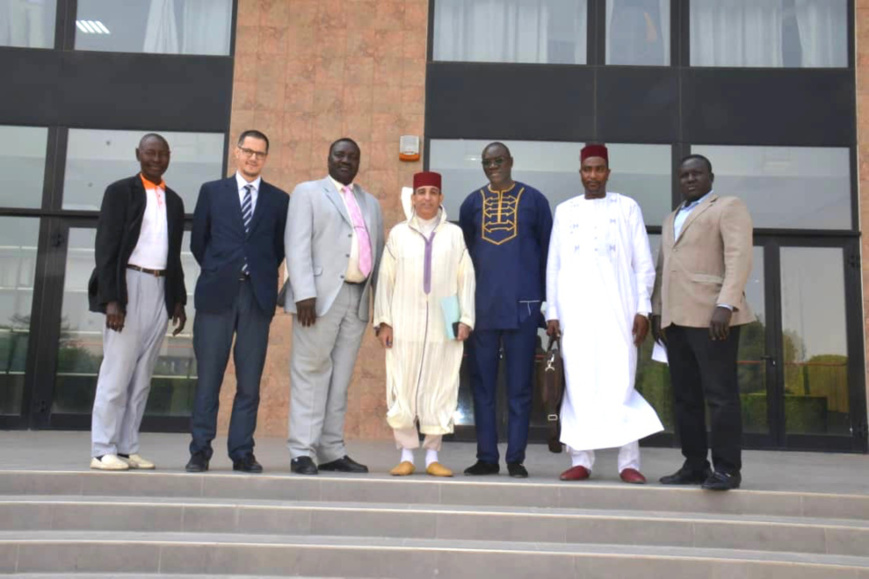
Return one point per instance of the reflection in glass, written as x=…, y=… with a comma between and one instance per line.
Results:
x=814, y=341
x=27, y=23
x=642, y=172
x=155, y=26
x=751, y=365
x=532, y=31
x=769, y=33
x=786, y=187
x=81, y=341
x=96, y=158
x=18, y=240
x=638, y=32
x=22, y=165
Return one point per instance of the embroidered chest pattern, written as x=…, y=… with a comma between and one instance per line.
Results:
x=500, y=221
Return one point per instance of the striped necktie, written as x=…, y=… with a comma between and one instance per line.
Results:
x=246, y=215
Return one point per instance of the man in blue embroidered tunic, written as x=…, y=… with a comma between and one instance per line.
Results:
x=506, y=226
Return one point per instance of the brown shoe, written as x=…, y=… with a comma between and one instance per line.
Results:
x=404, y=468
x=575, y=473
x=633, y=476
x=437, y=469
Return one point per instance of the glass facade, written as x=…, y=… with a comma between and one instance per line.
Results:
x=786, y=187
x=18, y=250
x=638, y=32
x=96, y=158
x=27, y=23
x=22, y=165
x=769, y=33
x=201, y=27
x=535, y=31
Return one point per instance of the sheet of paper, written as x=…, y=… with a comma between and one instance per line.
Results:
x=659, y=353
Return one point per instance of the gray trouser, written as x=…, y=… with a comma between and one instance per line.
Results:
x=129, y=357
x=321, y=367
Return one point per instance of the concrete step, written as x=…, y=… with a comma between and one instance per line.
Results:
x=518, y=524
x=497, y=491
x=322, y=556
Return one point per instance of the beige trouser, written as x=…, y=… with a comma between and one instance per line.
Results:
x=409, y=439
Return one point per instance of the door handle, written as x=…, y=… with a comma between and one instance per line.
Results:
x=57, y=240
x=769, y=359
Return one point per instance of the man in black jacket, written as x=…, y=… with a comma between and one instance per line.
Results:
x=138, y=284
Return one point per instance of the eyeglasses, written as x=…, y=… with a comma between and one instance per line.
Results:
x=496, y=162
x=258, y=155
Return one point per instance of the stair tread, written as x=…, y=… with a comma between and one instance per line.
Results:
x=387, y=543
x=172, y=502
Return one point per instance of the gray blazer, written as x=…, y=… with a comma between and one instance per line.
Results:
x=317, y=243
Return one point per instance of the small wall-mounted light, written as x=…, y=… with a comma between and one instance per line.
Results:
x=408, y=148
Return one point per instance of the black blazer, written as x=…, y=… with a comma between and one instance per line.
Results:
x=117, y=234
x=220, y=245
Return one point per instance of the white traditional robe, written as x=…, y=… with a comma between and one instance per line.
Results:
x=599, y=275
x=422, y=367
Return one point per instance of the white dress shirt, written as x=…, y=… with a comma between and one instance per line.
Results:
x=254, y=193
x=152, y=248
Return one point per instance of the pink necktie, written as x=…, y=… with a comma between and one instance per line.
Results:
x=361, y=231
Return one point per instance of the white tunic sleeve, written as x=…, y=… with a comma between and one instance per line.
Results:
x=467, y=288
x=641, y=261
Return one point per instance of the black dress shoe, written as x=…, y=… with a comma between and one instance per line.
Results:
x=344, y=464
x=303, y=465
x=516, y=470
x=197, y=463
x=481, y=468
x=247, y=463
x=722, y=481
x=685, y=476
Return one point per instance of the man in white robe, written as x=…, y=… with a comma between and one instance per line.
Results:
x=425, y=263
x=599, y=280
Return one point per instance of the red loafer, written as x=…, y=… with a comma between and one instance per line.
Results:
x=633, y=476
x=575, y=473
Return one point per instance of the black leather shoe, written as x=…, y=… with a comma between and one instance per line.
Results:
x=722, y=481
x=685, y=476
x=344, y=464
x=481, y=468
x=516, y=470
x=197, y=463
x=303, y=465
x=247, y=463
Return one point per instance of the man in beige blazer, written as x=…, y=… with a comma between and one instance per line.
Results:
x=698, y=306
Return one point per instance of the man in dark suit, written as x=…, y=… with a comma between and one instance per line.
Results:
x=138, y=284
x=698, y=307
x=238, y=240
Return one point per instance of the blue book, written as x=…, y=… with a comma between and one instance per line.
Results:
x=452, y=314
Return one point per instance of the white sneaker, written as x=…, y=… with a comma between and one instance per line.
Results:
x=109, y=462
x=136, y=461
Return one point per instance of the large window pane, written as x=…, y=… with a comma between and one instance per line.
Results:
x=27, y=23
x=533, y=31
x=96, y=158
x=786, y=187
x=641, y=172
x=638, y=32
x=769, y=33
x=814, y=339
x=154, y=26
x=81, y=341
x=22, y=165
x=18, y=239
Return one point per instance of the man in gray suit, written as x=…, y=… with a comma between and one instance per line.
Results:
x=334, y=240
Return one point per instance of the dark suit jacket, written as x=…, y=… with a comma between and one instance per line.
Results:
x=117, y=234
x=220, y=245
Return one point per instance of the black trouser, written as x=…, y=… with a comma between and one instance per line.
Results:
x=703, y=370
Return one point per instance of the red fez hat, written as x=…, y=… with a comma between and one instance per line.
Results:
x=594, y=151
x=426, y=179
